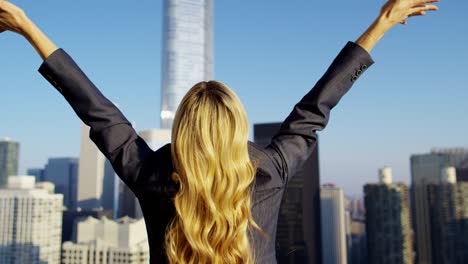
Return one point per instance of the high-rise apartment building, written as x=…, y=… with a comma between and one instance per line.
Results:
x=298, y=236
x=187, y=51
x=388, y=225
x=9, y=155
x=102, y=241
x=427, y=169
x=30, y=222
x=448, y=210
x=333, y=225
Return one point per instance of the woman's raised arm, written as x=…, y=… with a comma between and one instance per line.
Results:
x=109, y=129
x=296, y=139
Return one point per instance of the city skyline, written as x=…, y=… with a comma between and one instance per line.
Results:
x=415, y=70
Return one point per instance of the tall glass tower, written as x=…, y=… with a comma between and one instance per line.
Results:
x=187, y=51
x=9, y=155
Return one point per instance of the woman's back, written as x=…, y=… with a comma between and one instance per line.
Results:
x=149, y=173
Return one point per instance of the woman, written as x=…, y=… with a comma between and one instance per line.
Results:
x=210, y=196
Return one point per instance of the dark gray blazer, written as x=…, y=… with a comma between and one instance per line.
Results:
x=147, y=172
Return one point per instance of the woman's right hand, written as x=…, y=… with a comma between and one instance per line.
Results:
x=12, y=18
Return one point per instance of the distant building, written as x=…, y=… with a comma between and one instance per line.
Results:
x=358, y=253
x=106, y=241
x=63, y=173
x=388, y=225
x=426, y=169
x=298, y=236
x=71, y=217
x=30, y=222
x=448, y=209
x=38, y=173
x=90, y=172
x=9, y=155
x=332, y=203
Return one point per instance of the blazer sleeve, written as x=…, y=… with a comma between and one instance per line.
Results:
x=296, y=139
x=109, y=129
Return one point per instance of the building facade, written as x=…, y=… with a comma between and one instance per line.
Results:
x=9, y=155
x=334, y=246
x=63, y=173
x=388, y=225
x=448, y=210
x=90, y=172
x=30, y=222
x=427, y=169
x=103, y=241
x=187, y=51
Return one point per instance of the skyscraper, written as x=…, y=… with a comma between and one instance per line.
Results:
x=333, y=226
x=426, y=169
x=90, y=172
x=187, y=51
x=448, y=210
x=388, y=225
x=9, y=155
x=30, y=222
x=63, y=173
x=298, y=237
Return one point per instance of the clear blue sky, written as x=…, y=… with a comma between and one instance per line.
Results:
x=271, y=53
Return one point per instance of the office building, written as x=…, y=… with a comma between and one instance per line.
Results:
x=298, y=236
x=30, y=222
x=9, y=155
x=388, y=225
x=426, y=169
x=102, y=241
x=333, y=219
x=63, y=173
x=187, y=51
x=38, y=173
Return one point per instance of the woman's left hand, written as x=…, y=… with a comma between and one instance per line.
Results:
x=12, y=18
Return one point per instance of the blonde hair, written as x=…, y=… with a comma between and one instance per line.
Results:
x=212, y=166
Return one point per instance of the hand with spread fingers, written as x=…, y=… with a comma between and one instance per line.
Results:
x=393, y=12
x=397, y=11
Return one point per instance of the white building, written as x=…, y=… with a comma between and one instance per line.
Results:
x=187, y=51
x=90, y=172
x=333, y=225
x=30, y=222
x=106, y=241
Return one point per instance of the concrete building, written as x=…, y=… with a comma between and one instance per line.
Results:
x=187, y=51
x=30, y=222
x=388, y=225
x=448, y=210
x=333, y=226
x=298, y=235
x=90, y=172
x=9, y=155
x=426, y=169
x=106, y=241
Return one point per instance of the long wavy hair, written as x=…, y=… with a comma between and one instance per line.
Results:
x=215, y=174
